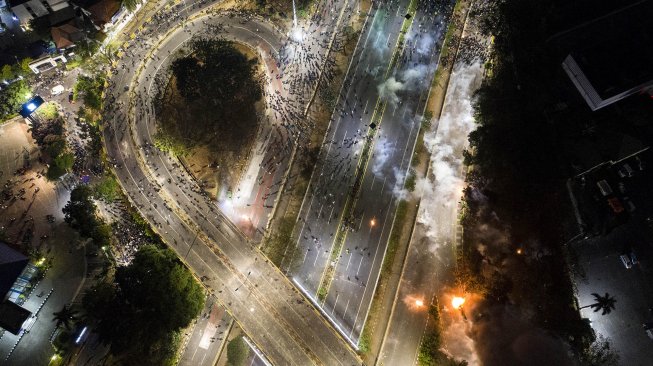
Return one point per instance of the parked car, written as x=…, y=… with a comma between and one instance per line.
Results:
x=625, y=259
x=57, y=89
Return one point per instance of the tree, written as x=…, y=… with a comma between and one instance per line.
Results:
x=65, y=161
x=237, y=352
x=24, y=65
x=65, y=316
x=153, y=298
x=6, y=73
x=130, y=5
x=600, y=353
x=605, y=303
x=90, y=89
x=12, y=97
x=107, y=189
x=79, y=212
x=214, y=77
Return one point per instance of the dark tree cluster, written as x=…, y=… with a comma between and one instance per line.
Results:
x=528, y=117
x=12, y=97
x=141, y=313
x=80, y=215
x=218, y=86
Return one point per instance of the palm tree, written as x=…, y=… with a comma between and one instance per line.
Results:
x=605, y=303
x=65, y=316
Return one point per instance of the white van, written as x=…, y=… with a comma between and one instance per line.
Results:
x=57, y=89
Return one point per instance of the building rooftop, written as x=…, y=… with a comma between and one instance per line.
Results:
x=12, y=264
x=607, y=60
x=65, y=35
x=13, y=316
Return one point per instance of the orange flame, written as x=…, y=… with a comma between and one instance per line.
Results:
x=457, y=302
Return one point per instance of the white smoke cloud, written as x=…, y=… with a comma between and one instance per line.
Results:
x=383, y=150
x=442, y=189
x=424, y=44
x=389, y=88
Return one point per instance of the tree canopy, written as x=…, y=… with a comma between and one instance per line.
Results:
x=12, y=97
x=90, y=89
x=80, y=214
x=151, y=300
x=237, y=352
x=212, y=97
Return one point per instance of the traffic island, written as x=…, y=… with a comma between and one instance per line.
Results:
x=208, y=114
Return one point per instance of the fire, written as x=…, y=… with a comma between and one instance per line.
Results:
x=457, y=302
x=419, y=303
x=372, y=222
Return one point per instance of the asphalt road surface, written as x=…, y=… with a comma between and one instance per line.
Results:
x=402, y=89
x=271, y=311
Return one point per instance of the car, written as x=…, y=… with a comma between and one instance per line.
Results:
x=57, y=89
x=625, y=259
x=70, y=97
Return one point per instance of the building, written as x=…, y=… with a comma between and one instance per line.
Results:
x=607, y=60
x=12, y=266
x=28, y=10
x=65, y=35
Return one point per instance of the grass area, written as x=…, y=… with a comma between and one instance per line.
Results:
x=278, y=241
x=48, y=110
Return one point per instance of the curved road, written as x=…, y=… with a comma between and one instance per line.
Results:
x=274, y=314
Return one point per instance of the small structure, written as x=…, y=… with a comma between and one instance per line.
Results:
x=46, y=63
x=13, y=316
x=12, y=264
x=32, y=105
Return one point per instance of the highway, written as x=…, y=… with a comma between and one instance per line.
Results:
x=394, y=95
x=427, y=273
x=282, y=323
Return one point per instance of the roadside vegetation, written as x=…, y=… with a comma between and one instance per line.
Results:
x=519, y=158
x=237, y=352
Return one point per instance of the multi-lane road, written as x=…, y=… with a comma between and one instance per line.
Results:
x=274, y=314
x=393, y=97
